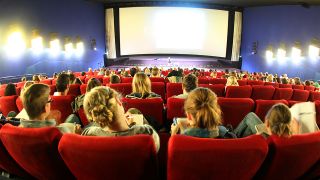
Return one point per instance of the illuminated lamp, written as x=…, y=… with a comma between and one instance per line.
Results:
x=314, y=49
x=79, y=51
x=296, y=52
x=68, y=47
x=36, y=42
x=55, y=47
x=15, y=45
x=281, y=53
x=269, y=54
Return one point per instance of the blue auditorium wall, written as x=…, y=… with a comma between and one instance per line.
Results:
x=275, y=24
x=65, y=17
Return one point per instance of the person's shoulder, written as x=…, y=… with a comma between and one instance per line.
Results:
x=133, y=95
x=181, y=96
x=142, y=129
x=95, y=131
x=153, y=95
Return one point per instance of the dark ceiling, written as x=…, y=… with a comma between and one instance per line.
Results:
x=235, y=3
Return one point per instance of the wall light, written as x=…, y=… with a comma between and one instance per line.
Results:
x=296, y=52
x=36, y=42
x=269, y=54
x=79, y=47
x=55, y=47
x=68, y=47
x=15, y=45
x=281, y=53
x=314, y=49
x=93, y=44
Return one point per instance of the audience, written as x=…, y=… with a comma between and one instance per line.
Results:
x=62, y=85
x=232, y=81
x=114, y=79
x=23, y=79
x=189, y=83
x=35, y=79
x=155, y=72
x=10, y=90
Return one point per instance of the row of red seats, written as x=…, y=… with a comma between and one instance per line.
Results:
x=47, y=154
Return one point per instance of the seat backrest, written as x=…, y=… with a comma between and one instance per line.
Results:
x=126, y=79
x=252, y=82
x=283, y=93
x=62, y=104
x=218, y=81
x=290, y=158
x=131, y=157
x=54, y=81
x=159, y=88
x=235, y=109
x=274, y=84
x=314, y=96
x=83, y=88
x=309, y=88
x=105, y=80
x=52, y=89
x=149, y=107
x=301, y=87
x=174, y=89
x=285, y=86
x=317, y=103
x=238, y=91
x=156, y=79
x=208, y=158
x=262, y=92
x=36, y=151
x=300, y=95
x=46, y=81
x=218, y=89
x=175, y=108
x=242, y=82
x=19, y=103
x=203, y=80
x=263, y=106
x=122, y=88
x=7, y=104
x=20, y=84
x=74, y=90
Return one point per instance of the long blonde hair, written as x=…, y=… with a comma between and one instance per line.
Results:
x=141, y=84
x=203, y=106
x=279, y=119
x=232, y=81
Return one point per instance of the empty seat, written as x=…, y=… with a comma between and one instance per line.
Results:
x=309, y=88
x=7, y=104
x=105, y=80
x=242, y=82
x=19, y=104
x=218, y=81
x=314, y=96
x=83, y=88
x=203, y=80
x=263, y=106
x=301, y=87
x=262, y=92
x=74, y=90
x=274, y=84
x=208, y=158
x=126, y=79
x=46, y=81
x=131, y=157
x=219, y=89
x=238, y=91
x=159, y=88
x=174, y=89
x=300, y=95
x=122, y=88
x=156, y=79
x=175, y=108
x=283, y=93
x=62, y=104
x=54, y=81
x=285, y=86
x=290, y=158
x=36, y=151
x=235, y=109
x=252, y=82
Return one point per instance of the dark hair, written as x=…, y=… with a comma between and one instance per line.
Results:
x=284, y=81
x=23, y=79
x=114, y=79
x=133, y=71
x=189, y=82
x=35, y=78
x=10, y=90
x=78, y=81
x=83, y=73
x=72, y=78
x=62, y=82
x=92, y=83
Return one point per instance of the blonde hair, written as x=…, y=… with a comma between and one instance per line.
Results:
x=100, y=105
x=269, y=78
x=141, y=84
x=155, y=72
x=279, y=118
x=203, y=106
x=232, y=81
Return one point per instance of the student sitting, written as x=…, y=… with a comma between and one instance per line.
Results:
x=62, y=85
x=189, y=83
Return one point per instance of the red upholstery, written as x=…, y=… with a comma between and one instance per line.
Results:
x=126, y=79
x=156, y=79
x=63, y=104
x=19, y=104
x=18, y=90
x=83, y=117
x=74, y=90
x=218, y=81
x=285, y=86
x=151, y=107
x=252, y=82
x=238, y=91
x=276, y=85
x=283, y=93
x=7, y=104
x=163, y=154
x=242, y=82
x=175, y=108
x=219, y=89
x=36, y=151
x=20, y=84
x=207, y=158
x=262, y=92
x=2, y=90
x=290, y=158
x=100, y=78
x=83, y=88
x=203, y=80
x=263, y=106
x=300, y=95
x=174, y=89
x=159, y=88
x=123, y=88
x=106, y=80
x=52, y=89
x=82, y=78
x=309, y=88
x=46, y=81
x=54, y=81
x=131, y=157
x=301, y=87
x=235, y=109
x=317, y=103
x=314, y=96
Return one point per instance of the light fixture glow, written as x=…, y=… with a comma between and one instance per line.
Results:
x=281, y=55
x=68, y=48
x=37, y=45
x=79, y=49
x=296, y=54
x=15, y=44
x=55, y=47
x=314, y=52
x=269, y=55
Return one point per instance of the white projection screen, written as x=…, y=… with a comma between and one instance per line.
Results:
x=173, y=30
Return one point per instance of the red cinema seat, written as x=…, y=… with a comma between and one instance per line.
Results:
x=18, y=90
x=203, y=80
x=175, y=108
x=317, y=103
x=122, y=88
x=159, y=88
x=174, y=89
x=74, y=90
x=274, y=84
x=149, y=107
x=263, y=106
x=290, y=158
x=107, y=156
x=235, y=109
x=62, y=104
x=126, y=79
x=7, y=104
x=163, y=154
x=262, y=92
x=314, y=96
x=52, y=89
x=300, y=95
x=218, y=89
x=218, y=81
x=83, y=88
x=54, y=81
x=36, y=151
x=242, y=82
x=252, y=82
x=156, y=79
x=285, y=86
x=20, y=84
x=238, y=91
x=283, y=93
x=19, y=104
x=301, y=87
x=2, y=90
x=208, y=158
x=82, y=78
x=83, y=117
x=46, y=81
x=106, y=80
x=309, y=88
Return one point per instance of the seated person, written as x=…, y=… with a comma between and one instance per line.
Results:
x=35, y=79
x=232, y=81
x=203, y=116
x=62, y=85
x=175, y=76
x=214, y=74
x=189, y=83
x=10, y=90
x=114, y=79
x=141, y=87
x=304, y=118
x=155, y=72
x=103, y=106
x=23, y=79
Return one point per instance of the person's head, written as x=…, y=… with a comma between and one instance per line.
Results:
x=114, y=79
x=102, y=105
x=83, y=73
x=36, y=78
x=107, y=72
x=63, y=82
x=89, y=69
x=133, y=71
x=269, y=78
x=278, y=120
x=232, y=81
x=25, y=86
x=189, y=83
x=307, y=83
x=92, y=83
x=297, y=81
x=141, y=84
x=23, y=79
x=202, y=109
x=284, y=81
x=10, y=90
x=72, y=78
x=78, y=81
x=155, y=72
x=36, y=101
